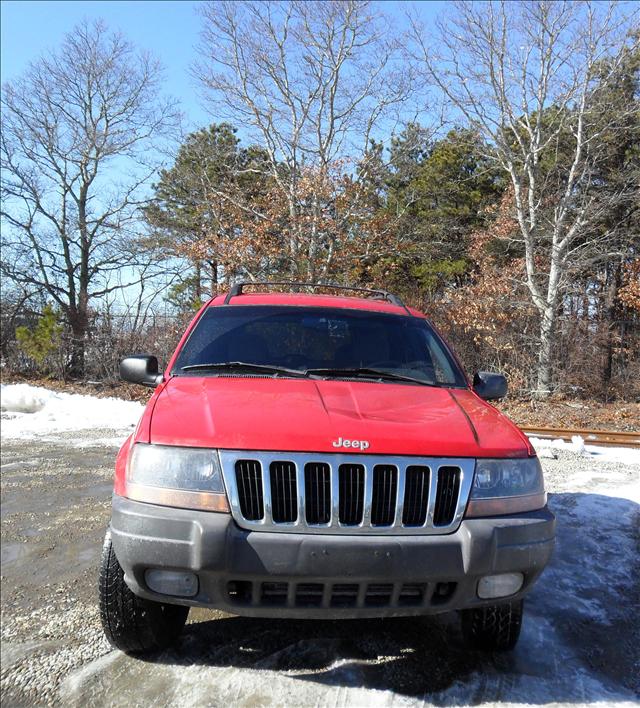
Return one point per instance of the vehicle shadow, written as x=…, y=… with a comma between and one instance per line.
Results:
x=402, y=655
x=580, y=640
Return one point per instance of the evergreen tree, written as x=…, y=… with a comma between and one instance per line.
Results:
x=197, y=203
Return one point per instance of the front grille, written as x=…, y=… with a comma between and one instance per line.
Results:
x=346, y=494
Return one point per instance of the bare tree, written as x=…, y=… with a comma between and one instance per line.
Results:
x=311, y=81
x=74, y=120
x=528, y=77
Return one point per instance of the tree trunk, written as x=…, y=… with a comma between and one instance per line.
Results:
x=76, y=367
x=547, y=331
x=79, y=322
x=198, y=282
x=213, y=265
x=611, y=295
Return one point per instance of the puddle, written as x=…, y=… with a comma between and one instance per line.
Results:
x=13, y=551
x=13, y=652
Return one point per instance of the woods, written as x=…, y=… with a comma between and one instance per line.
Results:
x=486, y=167
x=68, y=231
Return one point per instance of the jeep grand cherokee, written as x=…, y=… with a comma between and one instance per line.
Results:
x=320, y=456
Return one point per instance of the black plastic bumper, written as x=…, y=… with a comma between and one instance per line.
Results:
x=326, y=576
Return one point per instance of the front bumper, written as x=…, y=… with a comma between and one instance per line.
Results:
x=264, y=574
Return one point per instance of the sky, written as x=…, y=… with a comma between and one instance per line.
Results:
x=168, y=29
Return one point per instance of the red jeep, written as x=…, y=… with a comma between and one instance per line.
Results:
x=318, y=456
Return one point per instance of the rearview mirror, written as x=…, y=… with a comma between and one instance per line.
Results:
x=141, y=369
x=490, y=386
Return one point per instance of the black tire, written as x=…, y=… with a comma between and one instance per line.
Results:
x=131, y=623
x=493, y=628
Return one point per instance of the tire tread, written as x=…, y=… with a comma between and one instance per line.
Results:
x=130, y=623
x=493, y=627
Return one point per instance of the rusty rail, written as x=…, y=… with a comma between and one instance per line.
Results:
x=591, y=437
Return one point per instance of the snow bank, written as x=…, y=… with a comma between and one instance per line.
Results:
x=32, y=411
x=626, y=455
x=21, y=398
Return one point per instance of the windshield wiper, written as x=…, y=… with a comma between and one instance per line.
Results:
x=243, y=366
x=360, y=372
x=367, y=373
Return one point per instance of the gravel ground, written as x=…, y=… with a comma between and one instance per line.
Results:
x=580, y=642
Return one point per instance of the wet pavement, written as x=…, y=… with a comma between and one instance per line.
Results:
x=580, y=643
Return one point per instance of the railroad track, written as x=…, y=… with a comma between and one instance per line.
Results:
x=591, y=437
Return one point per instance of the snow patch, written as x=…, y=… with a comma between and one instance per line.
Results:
x=21, y=398
x=578, y=444
x=625, y=455
x=33, y=411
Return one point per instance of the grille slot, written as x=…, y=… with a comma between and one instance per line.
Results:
x=385, y=489
x=249, y=481
x=416, y=495
x=317, y=485
x=284, y=490
x=351, y=494
x=447, y=495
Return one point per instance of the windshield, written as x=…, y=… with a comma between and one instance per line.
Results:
x=338, y=343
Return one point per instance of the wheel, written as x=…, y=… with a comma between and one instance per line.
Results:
x=131, y=623
x=493, y=628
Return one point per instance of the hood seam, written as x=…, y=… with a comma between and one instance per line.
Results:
x=467, y=417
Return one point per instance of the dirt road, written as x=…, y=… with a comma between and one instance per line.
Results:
x=580, y=643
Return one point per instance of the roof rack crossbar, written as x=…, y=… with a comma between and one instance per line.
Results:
x=237, y=289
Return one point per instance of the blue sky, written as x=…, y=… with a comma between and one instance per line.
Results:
x=169, y=29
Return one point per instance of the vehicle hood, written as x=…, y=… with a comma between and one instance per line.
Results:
x=306, y=415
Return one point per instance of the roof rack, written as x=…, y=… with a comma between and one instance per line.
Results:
x=237, y=289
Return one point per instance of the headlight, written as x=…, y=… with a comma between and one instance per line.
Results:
x=506, y=487
x=176, y=476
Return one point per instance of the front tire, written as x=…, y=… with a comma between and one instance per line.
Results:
x=131, y=623
x=494, y=627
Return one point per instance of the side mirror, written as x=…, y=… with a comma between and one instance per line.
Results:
x=141, y=369
x=489, y=386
